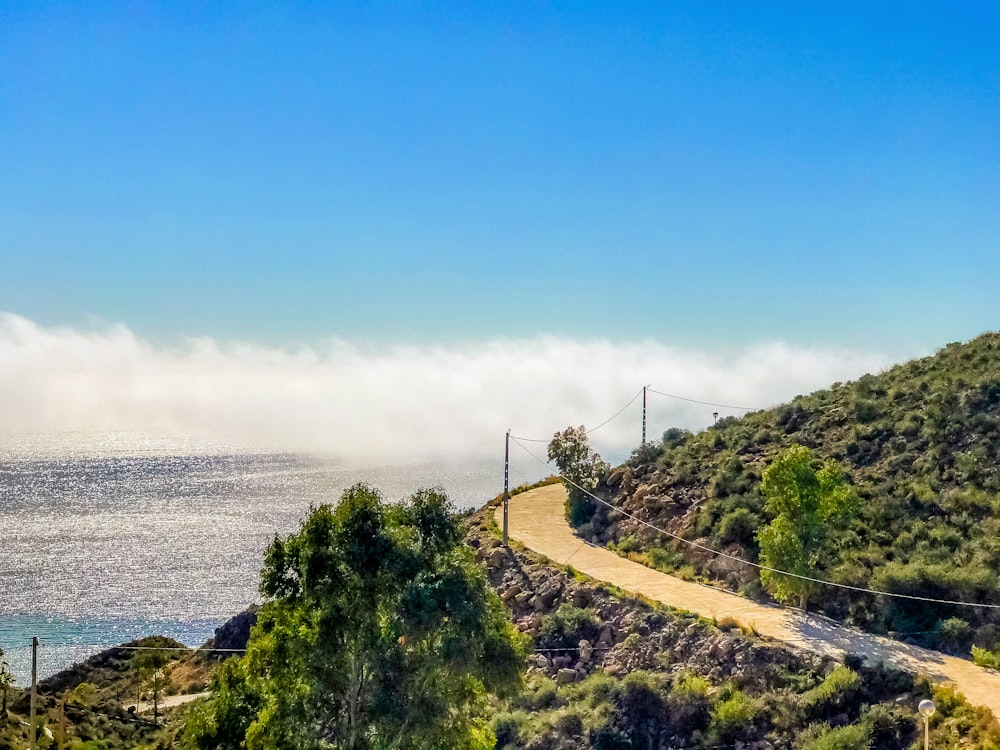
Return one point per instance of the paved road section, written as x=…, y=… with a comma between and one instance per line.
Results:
x=537, y=520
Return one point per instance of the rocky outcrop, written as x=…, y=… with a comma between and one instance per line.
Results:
x=628, y=634
x=235, y=632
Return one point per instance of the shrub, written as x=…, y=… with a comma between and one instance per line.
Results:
x=732, y=716
x=836, y=690
x=627, y=544
x=569, y=724
x=852, y=737
x=567, y=626
x=738, y=527
x=688, y=685
x=986, y=658
x=664, y=559
x=506, y=728
x=952, y=634
x=675, y=436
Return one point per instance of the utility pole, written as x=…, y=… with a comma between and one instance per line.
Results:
x=62, y=722
x=506, y=484
x=157, y=676
x=644, y=414
x=34, y=693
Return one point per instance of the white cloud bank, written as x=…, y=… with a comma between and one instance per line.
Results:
x=382, y=404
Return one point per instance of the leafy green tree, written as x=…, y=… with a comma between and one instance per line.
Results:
x=6, y=681
x=380, y=632
x=804, y=503
x=581, y=467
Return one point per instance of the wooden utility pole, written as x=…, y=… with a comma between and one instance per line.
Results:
x=506, y=484
x=32, y=738
x=644, y=414
x=62, y=722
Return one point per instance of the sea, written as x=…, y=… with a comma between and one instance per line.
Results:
x=106, y=540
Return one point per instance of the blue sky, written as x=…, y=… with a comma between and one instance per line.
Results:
x=704, y=174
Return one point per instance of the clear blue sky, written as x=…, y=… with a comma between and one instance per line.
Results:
x=415, y=171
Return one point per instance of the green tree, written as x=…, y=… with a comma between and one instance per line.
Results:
x=6, y=681
x=804, y=504
x=581, y=467
x=379, y=632
x=147, y=663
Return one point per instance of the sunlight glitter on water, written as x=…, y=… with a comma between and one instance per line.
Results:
x=102, y=547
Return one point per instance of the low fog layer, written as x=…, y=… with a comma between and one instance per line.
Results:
x=390, y=403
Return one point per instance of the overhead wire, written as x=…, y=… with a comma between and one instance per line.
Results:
x=759, y=566
x=592, y=429
x=705, y=403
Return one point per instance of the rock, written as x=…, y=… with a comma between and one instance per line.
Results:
x=566, y=676
x=511, y=592
x=497, y=557
x=548, y=593
x=586, y=651
x=580, y=597
x=235, y=633
x=561, y=662
x=606, y=638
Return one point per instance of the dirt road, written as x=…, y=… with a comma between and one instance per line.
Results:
x=167, y=701
x=536, y=519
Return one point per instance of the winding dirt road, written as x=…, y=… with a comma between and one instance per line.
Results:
x=536, y=519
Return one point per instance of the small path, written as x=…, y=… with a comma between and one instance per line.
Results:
x=167, y=701
x=537, y=519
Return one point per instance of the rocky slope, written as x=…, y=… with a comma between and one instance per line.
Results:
x=608, y=671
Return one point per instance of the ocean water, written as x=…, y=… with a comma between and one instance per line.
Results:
x=101, y=545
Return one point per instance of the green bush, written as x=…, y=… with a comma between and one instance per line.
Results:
x=567, y=626
x=691, y=685
x=953, y=634
x=739, y=526
x=986, y=658
x=732, y=717
x=837, y=690
x=851, y=737
x=506, y=728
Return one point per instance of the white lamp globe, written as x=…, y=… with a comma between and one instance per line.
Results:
x=926, y=708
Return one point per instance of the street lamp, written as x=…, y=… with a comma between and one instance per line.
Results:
x=926, y=709
x=157, y=676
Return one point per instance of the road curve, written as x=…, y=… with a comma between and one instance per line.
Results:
x=536, y=519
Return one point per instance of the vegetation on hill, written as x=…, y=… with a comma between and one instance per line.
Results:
x=93, y=705
x=379, y=631
x=921, y=445
x=610, y=672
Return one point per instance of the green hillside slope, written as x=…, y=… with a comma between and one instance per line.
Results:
x=921, y=443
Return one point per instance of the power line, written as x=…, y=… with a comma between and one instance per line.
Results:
x=759, y=566
x=617, y=413
x=108, y=647
x=592, y=429
x=705, y=403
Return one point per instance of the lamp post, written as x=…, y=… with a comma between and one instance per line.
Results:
x=926, y=709
x=157, y=676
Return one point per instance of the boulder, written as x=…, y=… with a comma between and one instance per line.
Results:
x=566, y=676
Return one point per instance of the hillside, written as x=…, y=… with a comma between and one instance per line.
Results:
x=607, y=671
x=921, y=444
x=610, y=671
